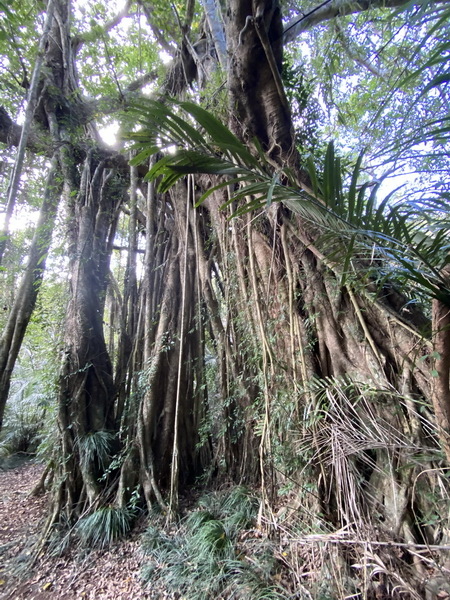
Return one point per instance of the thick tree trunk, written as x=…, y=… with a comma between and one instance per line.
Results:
x=86, y=391
x=259, y=106
x=329, y=333
x=167, y=407
x=94, y=195
x=125, y=365
x=441, y=372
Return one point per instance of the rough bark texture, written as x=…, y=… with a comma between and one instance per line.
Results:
x=256, y=100
x=241, y=354
x=86, y=395
x=441, y=373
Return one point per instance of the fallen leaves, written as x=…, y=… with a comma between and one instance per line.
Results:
x=47, y=586
x=97, y=575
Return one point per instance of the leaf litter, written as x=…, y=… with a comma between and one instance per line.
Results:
x=108, y=574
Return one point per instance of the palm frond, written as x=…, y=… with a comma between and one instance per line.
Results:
x=352, y=223
x=428, y=71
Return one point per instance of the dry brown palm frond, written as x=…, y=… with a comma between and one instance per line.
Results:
x=346, y=433
x=374, y=566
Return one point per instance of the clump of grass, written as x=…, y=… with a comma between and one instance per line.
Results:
x=204, y=559
x=96, y=446
x=239, y=508
x=105, y=526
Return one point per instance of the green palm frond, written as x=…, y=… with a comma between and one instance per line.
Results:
x=162, y=128
x=408, y=238
x=213, y=149
x=428, y=71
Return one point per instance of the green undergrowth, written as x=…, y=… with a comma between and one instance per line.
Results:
x=215, y=552
x=105, y=526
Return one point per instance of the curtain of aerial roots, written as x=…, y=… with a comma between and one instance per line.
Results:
x=123, y=310
x=369, y=428
x=162, y=416
x=281, y=321
x=86, y=391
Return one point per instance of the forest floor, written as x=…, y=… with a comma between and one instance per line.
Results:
x=76, y=575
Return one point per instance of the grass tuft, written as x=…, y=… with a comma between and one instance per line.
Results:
x=205, y=559
x=104, y=526
x=96, y=446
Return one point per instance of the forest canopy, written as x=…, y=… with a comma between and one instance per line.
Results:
x=224, y=261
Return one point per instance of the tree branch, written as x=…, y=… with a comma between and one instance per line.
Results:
x=13, y=186
x=334, y=8
x=215, y=22
x=354, y=55
x=156, y=32
x=79, y=40
x=190, y=8
x=10, y=132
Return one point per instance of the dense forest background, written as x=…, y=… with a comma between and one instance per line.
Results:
x=225, y=275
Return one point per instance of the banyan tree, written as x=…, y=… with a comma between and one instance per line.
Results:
x=273, y=321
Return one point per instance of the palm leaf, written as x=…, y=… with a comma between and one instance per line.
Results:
x=352, y=220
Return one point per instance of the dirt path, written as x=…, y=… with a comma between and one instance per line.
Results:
x=85, y=576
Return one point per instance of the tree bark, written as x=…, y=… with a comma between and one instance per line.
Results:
x=86, y=390
x=27, y=293
x=441, y=373
x=254, y=81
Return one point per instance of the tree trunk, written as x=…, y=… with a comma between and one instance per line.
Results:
x=260, y=109
x=86, y=392
x=333, y=334
x=29, y=113
x=94, y=195
x=240, y=328
x=441, y=373
x=25, y=299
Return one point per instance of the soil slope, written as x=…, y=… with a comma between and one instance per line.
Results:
x=85, y=575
